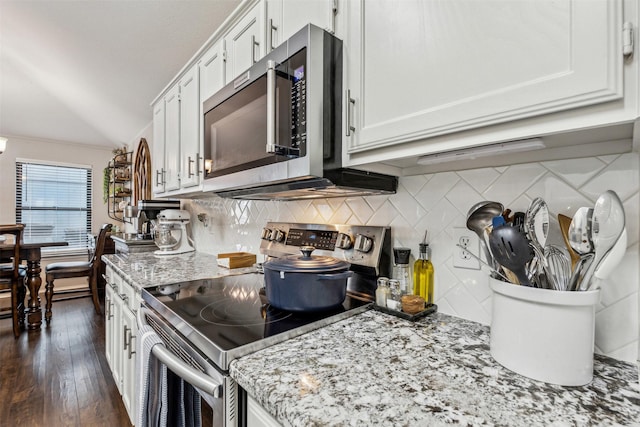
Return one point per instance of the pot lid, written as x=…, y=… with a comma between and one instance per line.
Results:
x=305, y=263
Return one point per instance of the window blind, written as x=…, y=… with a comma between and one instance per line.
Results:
x=54, y=204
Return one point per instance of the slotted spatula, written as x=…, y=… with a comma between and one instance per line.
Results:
x=512, y=250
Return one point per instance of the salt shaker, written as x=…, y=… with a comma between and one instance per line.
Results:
x=382, y=292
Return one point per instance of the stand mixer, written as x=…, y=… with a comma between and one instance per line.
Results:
x=170, y=232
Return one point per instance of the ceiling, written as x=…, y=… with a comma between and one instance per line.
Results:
x=86, y=71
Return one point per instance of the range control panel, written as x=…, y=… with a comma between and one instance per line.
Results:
x=367, y=246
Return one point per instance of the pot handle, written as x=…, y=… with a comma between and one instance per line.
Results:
x=335, y=276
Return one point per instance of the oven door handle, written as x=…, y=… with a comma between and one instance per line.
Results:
x=191, y=375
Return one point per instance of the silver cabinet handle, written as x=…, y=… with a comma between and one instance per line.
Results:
x=107, y=307
x=198, y=158
x=160, y=177
x=350, y=101
x=190, y=162
x=124, y=336
x=131, y=338
x=272, y=28
x=254, y=43
x=271, y=107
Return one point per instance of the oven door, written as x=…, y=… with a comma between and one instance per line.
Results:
x=218, y=391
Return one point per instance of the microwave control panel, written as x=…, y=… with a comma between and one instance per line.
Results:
x=298, y=108
x=296, y=67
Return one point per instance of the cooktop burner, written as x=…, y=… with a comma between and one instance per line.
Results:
x=225, y=311
x=230, y=316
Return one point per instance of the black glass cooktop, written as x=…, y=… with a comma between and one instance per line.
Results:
x=230, y=316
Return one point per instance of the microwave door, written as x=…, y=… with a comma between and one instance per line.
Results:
x=236, y=129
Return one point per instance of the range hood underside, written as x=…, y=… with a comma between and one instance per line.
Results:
x=335, y=183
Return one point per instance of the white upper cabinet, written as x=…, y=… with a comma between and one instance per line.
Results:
x=157, y=161
x=244, y=42
x=190, y=164
x=418, y=69
x=286, y=17
x=211, y=68
x=172, y=140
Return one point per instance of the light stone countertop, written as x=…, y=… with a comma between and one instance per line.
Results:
x=377, y=369
x=145, y=269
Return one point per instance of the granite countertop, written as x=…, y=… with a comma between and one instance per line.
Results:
x=146, y=269
x=377, y=369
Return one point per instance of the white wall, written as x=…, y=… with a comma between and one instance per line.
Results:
x=439, y=202
x=97, y=157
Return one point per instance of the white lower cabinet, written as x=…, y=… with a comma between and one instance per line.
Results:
x=257, y=416
x=121, y=304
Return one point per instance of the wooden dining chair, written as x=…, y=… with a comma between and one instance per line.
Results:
x=12, y=276
x=67, y=270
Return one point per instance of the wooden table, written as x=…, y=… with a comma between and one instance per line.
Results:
x=31, y=252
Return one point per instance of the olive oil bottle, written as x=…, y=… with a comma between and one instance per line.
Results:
x=423, y=274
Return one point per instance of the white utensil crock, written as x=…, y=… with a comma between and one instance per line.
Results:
x=544, y=334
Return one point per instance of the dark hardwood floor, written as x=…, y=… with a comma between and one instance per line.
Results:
x=59, y=376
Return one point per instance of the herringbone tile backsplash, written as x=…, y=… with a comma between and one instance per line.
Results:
x=439, y=203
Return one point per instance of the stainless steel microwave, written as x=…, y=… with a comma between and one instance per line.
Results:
x=275, y=131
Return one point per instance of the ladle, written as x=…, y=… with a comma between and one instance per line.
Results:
x=479, y=218
x=580, y=240
x=608, y=225
x=511, y=249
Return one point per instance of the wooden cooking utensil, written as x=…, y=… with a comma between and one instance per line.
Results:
x=565, y=222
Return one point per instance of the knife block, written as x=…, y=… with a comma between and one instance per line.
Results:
x=544, y=334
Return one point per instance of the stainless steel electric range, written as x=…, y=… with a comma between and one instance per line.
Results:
x=208, y=323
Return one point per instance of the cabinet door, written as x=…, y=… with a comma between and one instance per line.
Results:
x=286, y=17
x=190, y=170
x=129, y=331
x=116, y=338
x=108, y=324
x=257, y=416
x=211, y=68
x=172, y=139
x=157, y=161
x=418, y=69
x=244, y=42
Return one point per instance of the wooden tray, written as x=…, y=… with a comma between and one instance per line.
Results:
x=236, y=259
x=431, y=308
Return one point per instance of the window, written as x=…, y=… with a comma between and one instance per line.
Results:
x=54, y=204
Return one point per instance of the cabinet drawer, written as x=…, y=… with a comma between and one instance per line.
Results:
x=127, y=293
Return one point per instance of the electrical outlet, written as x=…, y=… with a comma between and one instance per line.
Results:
x=468, y=240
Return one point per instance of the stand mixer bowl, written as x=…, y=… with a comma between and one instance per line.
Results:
x=163, y=236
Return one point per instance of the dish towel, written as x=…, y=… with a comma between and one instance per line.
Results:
x=165, y=399
x=152, y=381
